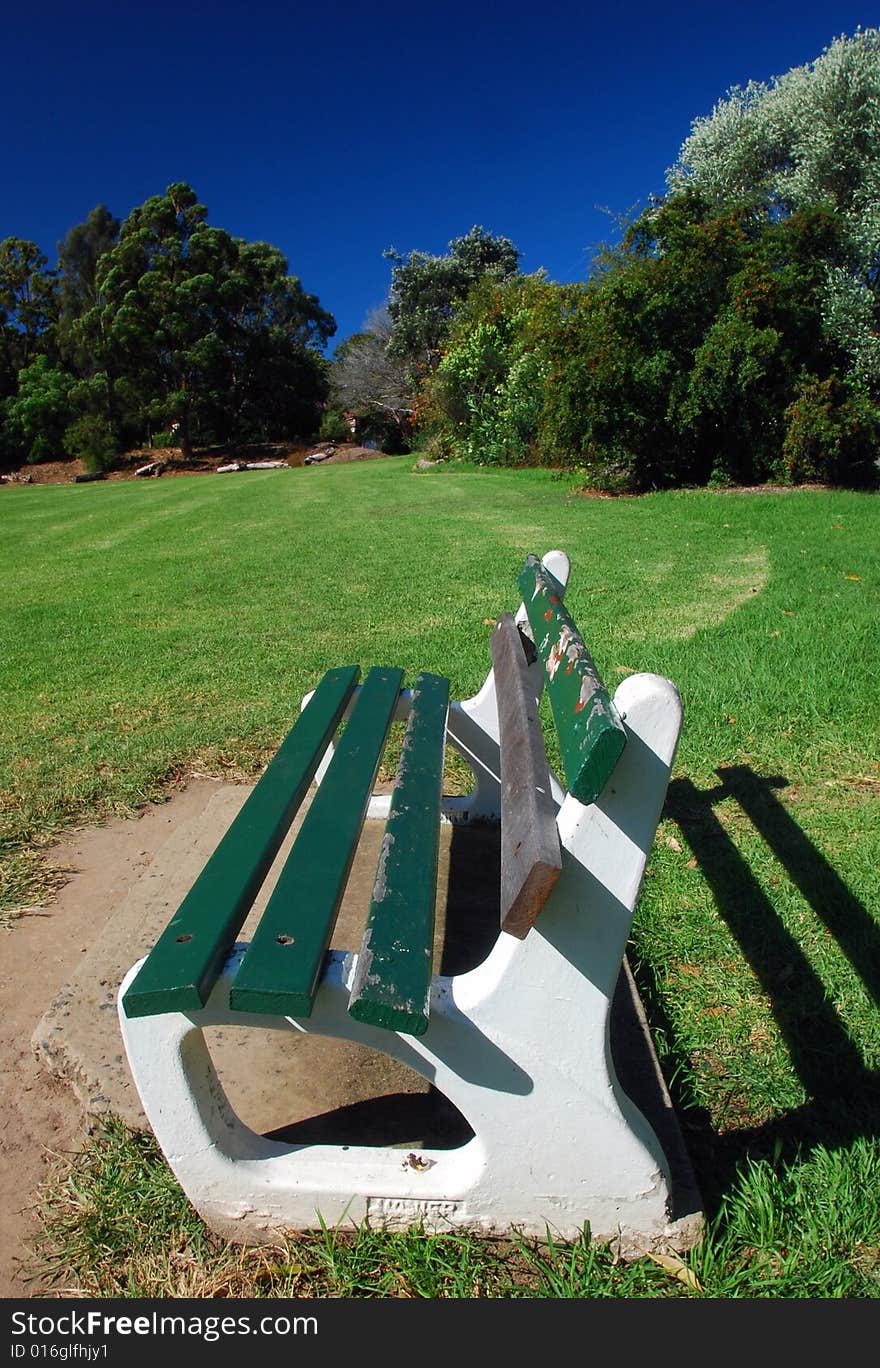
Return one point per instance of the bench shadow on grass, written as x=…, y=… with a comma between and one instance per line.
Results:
x=844, y=1096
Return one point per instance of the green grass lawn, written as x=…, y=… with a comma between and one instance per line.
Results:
x=154, y=629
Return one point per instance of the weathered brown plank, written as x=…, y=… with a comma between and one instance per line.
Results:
x=531, y=860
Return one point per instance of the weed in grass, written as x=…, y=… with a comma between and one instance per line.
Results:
x=411, y=1263
x=808, y=1228
x=578, y=1269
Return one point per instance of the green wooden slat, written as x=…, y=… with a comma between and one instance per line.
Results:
x=282, y=966
x=591, y=736
x=392, y=980
x=183, y=966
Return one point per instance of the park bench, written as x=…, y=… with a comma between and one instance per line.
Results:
x=520, y=1043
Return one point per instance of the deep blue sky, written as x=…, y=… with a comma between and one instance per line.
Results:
x=336, y=130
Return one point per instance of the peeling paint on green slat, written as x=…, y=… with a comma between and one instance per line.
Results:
x=392, y=979
x=280, y=971
x=182, y=968
x=591, y=736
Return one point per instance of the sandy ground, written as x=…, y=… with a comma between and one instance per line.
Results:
x=40, y=1116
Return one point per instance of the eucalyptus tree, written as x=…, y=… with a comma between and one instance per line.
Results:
x=196, y=328
x=28, y=308
x=78, y=257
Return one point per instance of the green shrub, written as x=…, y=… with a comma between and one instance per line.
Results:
x=92, y=439
x=486, y=396
x=832, y=434
x=36, y=417
x=335, y=426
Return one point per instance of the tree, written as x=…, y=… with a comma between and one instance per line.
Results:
x=37, y=416
x=681, y=362
x=270, y=376
x=28, y=308
x=807, y=138
x=485, y=398
x=78, y=257
x=425, y=290
x=195, y=327
x=367, y=380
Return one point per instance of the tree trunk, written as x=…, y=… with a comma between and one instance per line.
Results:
x=185, y=436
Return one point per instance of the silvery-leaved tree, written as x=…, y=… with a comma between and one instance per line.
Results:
x=808, y=137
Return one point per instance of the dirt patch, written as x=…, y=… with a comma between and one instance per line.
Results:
x=62, y=1066
x=204, y=462
x=39, y=1115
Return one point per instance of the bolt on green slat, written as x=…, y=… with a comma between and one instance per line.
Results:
x=183, y=966
x=591, y=735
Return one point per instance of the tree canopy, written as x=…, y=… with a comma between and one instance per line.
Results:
x=425, y=290
x=198, y=328
x=733, y=335
x=78, y=257
x=28, y=309
x=808, y=137
x=165, y=321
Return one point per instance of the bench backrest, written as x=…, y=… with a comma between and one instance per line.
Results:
x=591, y=739
x=590, y=732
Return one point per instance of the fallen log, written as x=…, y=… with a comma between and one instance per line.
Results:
x=250, y=465
x=154, y=468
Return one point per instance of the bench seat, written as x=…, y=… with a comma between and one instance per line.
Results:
x=280, y=973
